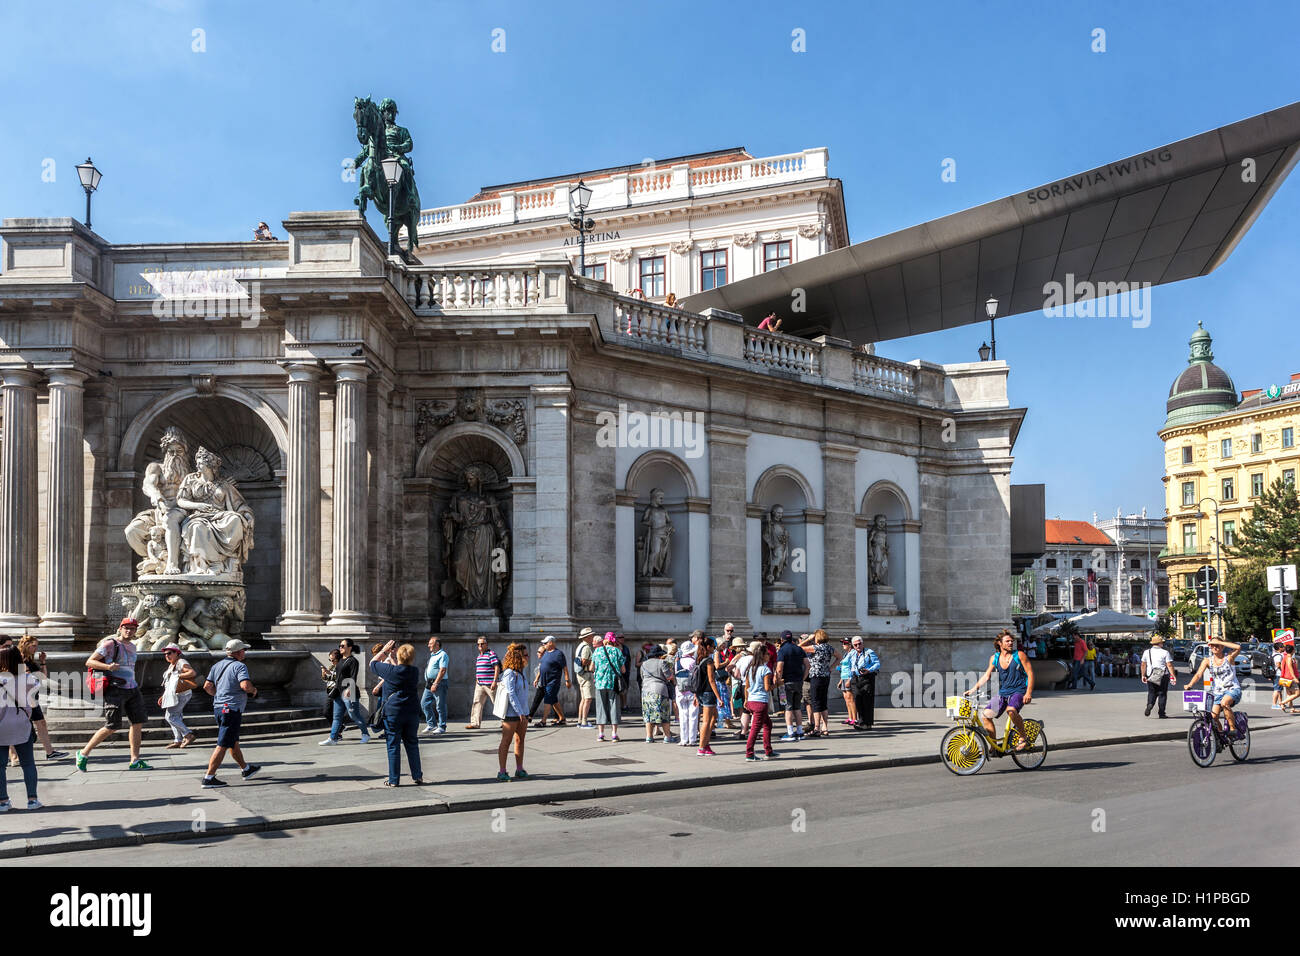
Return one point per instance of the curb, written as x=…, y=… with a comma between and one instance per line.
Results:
x=404, y=810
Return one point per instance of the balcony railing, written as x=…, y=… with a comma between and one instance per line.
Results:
x=788, y=353
x=659, y=325
x=881, y=375
x=637, y=187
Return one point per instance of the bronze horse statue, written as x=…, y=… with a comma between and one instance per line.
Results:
x=381, y=137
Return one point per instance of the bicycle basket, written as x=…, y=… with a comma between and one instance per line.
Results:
x=960, y=708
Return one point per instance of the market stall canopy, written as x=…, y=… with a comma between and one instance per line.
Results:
x=1107, y=621
x=1167, y=214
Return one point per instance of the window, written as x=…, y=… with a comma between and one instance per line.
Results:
x=652, y=277
x=1230, y=534
x=1051, y=562
x=1187, y=454
x=1229, y=489
x=1136, y=600
x=1288, y=477
x=1053, y=595
x=1225, y=448
x=1162, y=595
x=1257, y=484
x=1077, y=563
x=776, y=255
x=595, y=270
x=1135, y=564
x=1076, y=594
x=1288, y=438
x=1189, y=581
x=1256, y=443
x=713, y=269
x=1189, y=494
x=1189, y=538
x=1103, y=595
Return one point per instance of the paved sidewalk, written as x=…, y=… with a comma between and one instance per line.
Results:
x=303, y=784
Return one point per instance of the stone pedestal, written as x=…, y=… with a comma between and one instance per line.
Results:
x=880, y=601
x=656, y=594
x=778, y=598
x=189, y=588
x=470, y=620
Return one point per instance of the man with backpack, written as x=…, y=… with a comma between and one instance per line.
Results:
x=1157, y=672
x=112, y=670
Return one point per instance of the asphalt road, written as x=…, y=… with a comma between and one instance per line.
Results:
x=1091, y=807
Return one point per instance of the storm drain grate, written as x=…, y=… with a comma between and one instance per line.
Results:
x=613, y=761
x=585, y=813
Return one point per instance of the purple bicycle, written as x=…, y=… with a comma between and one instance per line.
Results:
x=1208, y=735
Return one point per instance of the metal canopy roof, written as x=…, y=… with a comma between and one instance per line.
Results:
x=1167, y=214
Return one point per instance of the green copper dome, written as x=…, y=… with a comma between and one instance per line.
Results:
x=1203, y=390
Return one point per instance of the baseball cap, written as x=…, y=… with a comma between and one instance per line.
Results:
x=549, y=639
x=173, y=647
x=787, y=636
x=234, y=645
x=129, y=623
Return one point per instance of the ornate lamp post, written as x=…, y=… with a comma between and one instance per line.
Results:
x=579, y=198
x=991, y=310
x=89, y=176
x=392, y=175
x=984, y=352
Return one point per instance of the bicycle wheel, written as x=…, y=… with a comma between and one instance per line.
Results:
x=1239, y=746
x=1201, y=743
x=1032, y=757
x=964, y=751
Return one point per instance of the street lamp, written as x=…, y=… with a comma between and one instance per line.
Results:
x=89, y=176
x=1218, y=571
x=984, y=352
x=579, y=198
x=991, y=310
x=392, y=175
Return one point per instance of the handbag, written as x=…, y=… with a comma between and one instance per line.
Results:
x=620, y=681
x=15, y=723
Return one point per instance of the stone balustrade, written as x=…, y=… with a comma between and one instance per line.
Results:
x=648, y=185
x=659, y=325
x=710, y=337
x=789, y=353
x=874, y=374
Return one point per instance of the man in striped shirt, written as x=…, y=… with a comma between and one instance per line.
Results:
x=487, y=671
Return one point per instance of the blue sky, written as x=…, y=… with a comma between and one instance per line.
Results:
x=197, y=146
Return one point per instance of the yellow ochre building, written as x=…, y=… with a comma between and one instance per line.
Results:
x=1222, y=447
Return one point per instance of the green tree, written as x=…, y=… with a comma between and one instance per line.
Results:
x=1186, y=610
x=1248, y=610
x=1164, y=627
x=1272, y=532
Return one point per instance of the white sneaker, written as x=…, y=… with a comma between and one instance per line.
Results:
x=1276, y=707
x=365, y=740
x=34, y=804
x=329, y=742
x=440, y=730
x=426, y=729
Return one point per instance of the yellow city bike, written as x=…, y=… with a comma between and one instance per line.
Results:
x=966, y=748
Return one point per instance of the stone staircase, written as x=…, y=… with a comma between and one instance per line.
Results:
x=70, y=730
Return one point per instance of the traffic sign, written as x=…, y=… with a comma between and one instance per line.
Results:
x=1223, y=599
x=1283, y=635
x=1206, y=575
x=1281, y=577
x=1282, y=600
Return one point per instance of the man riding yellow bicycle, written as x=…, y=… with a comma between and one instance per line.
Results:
x=1015, y=687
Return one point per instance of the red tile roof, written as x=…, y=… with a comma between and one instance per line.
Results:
x=1075, y=532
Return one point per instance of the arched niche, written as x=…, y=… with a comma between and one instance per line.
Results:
x=668, y=473
x=886, y=498
x=249, y=436
x=442, y=462
x=787, y=487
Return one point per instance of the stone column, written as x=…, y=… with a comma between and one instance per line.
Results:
x=18, y=503
x=551, y=406
x=840, y=537
x=351, y=512
x=728, y=538
x=302, y=491
x=65, y=503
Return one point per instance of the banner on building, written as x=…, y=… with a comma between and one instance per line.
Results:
x=1092, y=590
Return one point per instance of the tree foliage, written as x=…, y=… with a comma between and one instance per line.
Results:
x=1272, y=532
x=1248, y=610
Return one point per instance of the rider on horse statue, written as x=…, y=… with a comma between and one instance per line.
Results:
x=396, y=142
